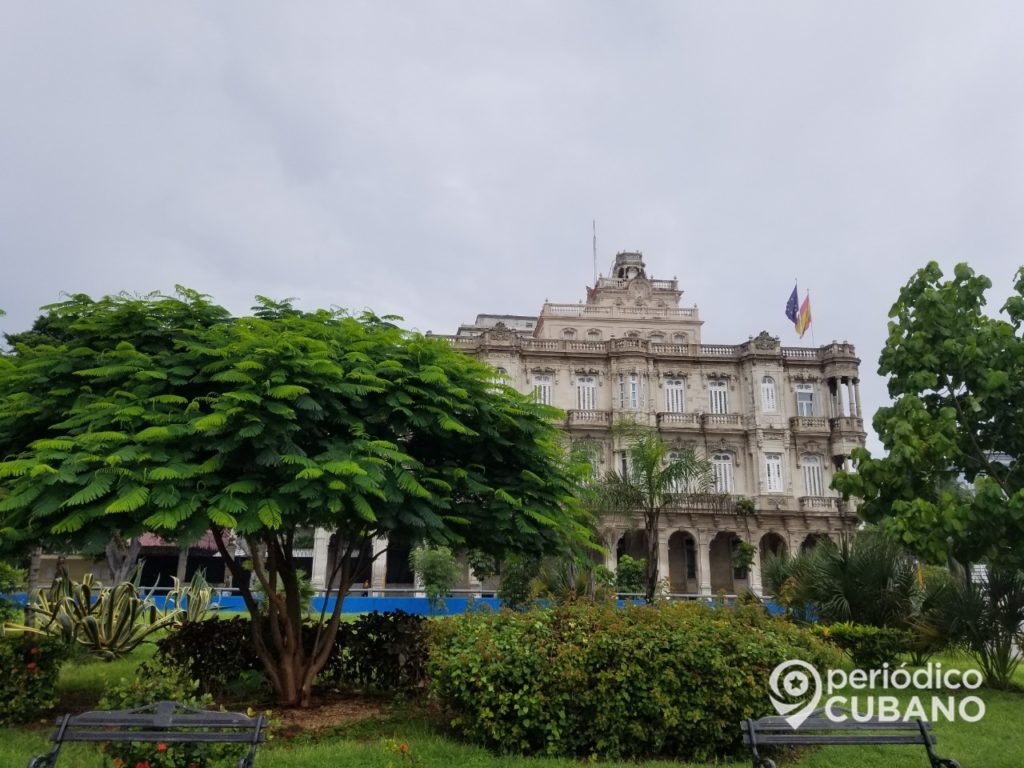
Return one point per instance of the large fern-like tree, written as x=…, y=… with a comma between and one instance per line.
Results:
x=167, y=414
x=655, y=477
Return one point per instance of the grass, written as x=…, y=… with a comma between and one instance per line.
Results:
x=997, y=741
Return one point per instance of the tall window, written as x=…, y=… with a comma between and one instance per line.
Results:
x=768, y=401
x=718, y=393
x=680, y=338
x=814, y=484
x=569, y=334
x=543, y=388
x=657, y=338
x=773, y=472
x=630, y=395
x=804, y=400
x=722, y=465
x=593, y=335
x=675, y=395
x=586, y=393
x=622, y=463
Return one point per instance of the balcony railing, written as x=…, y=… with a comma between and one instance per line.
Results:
x=809, y=424
x=667, y=420
x=599, y=310
x=577, y=418
x=723, y=420
x=819, y=503
x=847, y=424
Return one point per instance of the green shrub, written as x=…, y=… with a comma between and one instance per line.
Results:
x=438, y=569
x=29, y=665
x=591, y=680
x=215, y=652
x=517, y=574
x=631, y=575
x=385, y=652
x=11, y=580
x=153, y=683
x=869, y=647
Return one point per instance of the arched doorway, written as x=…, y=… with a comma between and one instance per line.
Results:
x=632, y=543
x=682, y=563
x=720, y=560
x=772, y=544
x=812, y=540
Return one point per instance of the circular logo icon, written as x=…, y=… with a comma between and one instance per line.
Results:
x=795, y=690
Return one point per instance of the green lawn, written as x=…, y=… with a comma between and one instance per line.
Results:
x=997, y=741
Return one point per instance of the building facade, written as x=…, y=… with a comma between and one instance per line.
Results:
x=775, y=422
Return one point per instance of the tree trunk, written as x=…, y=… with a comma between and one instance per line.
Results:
x=652, y=555
x=182, y=564
x=122, y=556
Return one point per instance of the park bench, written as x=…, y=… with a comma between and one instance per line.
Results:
x=164, y=722
x=819, y=729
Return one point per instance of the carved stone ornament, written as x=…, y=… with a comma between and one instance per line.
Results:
x=587, y=371
x=765, y=340
x=500, y=331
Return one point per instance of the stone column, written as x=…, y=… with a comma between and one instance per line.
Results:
x=754, y=575
x=841, y=396
x=856, y=397
x=321, y=540
x=703, y=550
x=613, y=553
x=379, y=570
x=663, y=567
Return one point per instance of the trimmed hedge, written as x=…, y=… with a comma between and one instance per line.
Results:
x=29, y=666
x=869, y=647
x=593, y=680
x=385, y=652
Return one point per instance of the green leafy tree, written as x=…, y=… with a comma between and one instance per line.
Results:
x=438, y=569
x=166, y=414
x=630, y=575
x=956, y=377
x=656, y=477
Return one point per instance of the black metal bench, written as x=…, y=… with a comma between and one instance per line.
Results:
x=819, y=729
x=164, y=722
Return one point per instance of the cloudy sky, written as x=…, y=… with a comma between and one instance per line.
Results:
x=439, y=159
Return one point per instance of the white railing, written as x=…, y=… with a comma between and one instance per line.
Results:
x=825, y=503
x=723, y=419
x=602, y=310
x=597, y=418
x=802, y=423
x=671, y=419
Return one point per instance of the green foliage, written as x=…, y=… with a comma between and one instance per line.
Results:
x=588, y=679
x=517, y=574
x=630, y=575
x=656, y=477
x=11, y=580
x=867, y=579
x=382, y=652
x=956, y=376
x=438, y=569
x=214, y=652
x=166, y=414
x=483, y=565
x=192, y=599
x=869, y=647
x=743, y=555
x=109, y=622
x=985, y=618
x=151, y=684
x=29, y=666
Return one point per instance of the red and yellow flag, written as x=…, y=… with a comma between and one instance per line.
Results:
x=803, y=318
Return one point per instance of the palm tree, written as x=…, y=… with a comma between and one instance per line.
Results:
x=655, y=476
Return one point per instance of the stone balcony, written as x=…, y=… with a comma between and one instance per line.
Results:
x=808, y=425
x=852, y=424
x=668, y=420
x=820, y=504
x=595, y=419
x=626, y=312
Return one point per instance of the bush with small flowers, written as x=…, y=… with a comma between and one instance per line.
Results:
x=153, y=683
x=29, y=665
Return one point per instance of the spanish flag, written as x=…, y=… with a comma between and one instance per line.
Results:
x=803, y=319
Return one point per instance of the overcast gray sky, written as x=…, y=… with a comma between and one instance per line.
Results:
x=440, y=159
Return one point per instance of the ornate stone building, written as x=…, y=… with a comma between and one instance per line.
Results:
x=774, y=421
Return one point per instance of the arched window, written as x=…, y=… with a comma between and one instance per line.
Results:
x=586, y=393
x=569, y=334
x=718, y=396
x=657, y=338
x=722, y=465
x=501, y=371
x=594, y=334
x=814, y=481
x=680, y=338
x=632, y=335
x=631, y=396
x=675, y=395
x=543, y=388
x=769, y=403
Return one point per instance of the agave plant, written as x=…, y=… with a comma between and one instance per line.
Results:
x=110, y=622
x=191, y=601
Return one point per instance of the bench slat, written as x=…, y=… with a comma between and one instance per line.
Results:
x=824, y=724
x=175, y=737
x=171, y=721
x=838, y=738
